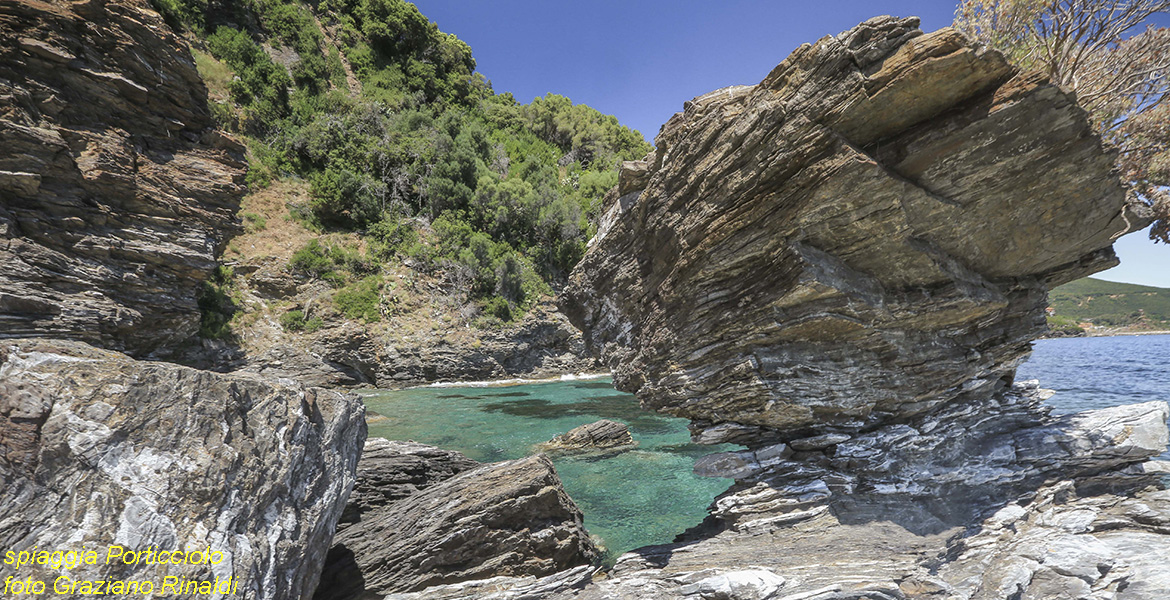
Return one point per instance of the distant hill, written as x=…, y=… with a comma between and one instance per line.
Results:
x=1109, y=304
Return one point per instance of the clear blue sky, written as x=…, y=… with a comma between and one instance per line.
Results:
x=640, y=59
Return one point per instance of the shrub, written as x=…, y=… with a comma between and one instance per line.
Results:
x=294, y=320
x=254, y=222
x=361, y=300
x=217, y=304
x=312, y=259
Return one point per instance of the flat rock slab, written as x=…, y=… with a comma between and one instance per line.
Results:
x=97, y=449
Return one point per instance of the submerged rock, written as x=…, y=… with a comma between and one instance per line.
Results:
x=866, y=234
x=118, y=190
x=603, y=435
x=510, y=519
x=97, y=449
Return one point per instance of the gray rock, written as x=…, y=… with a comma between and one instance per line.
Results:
x=118, y=191
x=390, y=471
x=596, y=436
x=97, y=449
x=509, y=519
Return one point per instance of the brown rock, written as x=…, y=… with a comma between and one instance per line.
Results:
x=118, y=192
x=600, y=435
x=866, y=234
x=503, y=519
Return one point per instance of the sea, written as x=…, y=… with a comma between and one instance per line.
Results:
x=649, y=495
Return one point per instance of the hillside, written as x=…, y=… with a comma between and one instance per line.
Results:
x=394, y=196
x=1100, y=305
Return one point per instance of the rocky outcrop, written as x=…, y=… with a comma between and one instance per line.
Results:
x=543, y=344
x=390, y=471
x=866, y=234
x=117, y=189
x=841, y=268
x=598, y=436
x=510, y=519
x=97, y=449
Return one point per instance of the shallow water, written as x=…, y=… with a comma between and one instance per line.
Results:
x=649, y=495
x=644, y=496
x=1091, y=373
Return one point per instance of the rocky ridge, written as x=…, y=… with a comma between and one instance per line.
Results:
x=97, y=449
x=118, y=190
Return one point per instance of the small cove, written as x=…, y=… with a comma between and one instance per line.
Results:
x=649, y=495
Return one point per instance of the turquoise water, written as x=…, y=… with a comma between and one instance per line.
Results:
x=645, y=496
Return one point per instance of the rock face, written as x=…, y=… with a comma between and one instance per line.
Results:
x=509, y=519
x=544, y=344
x=866, y=234
x=600, y=435
x=117, y=190
x=97, y=449
x=390, y=471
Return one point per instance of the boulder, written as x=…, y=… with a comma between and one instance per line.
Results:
x=868, y=233
x=99, y=450
x=600, y=435
x=119, y=192
x=511, y=519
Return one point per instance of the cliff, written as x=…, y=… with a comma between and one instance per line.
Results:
x=118, y=192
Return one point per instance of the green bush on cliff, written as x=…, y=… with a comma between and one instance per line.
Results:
x=361, y=300
x=426, y=162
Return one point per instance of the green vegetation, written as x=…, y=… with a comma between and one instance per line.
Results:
x=217, y=302
x=1110, y=304
x=294, y=320
x=427, y=164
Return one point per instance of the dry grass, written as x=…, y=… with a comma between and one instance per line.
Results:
x=216, y=75
x=281, y=235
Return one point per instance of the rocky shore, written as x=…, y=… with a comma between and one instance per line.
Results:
x=839, y=269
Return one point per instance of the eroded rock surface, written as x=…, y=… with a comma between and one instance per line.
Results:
x=117, y=190
x=597, y=436
x=510, y=519
x=866, y=234
x=98, y=449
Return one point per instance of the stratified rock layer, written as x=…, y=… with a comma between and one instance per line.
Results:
x=116, y=191
x=97, y=449
x=508, y=519
x=603, y=435
x=866, y=234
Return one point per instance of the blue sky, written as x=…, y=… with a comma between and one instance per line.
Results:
x=640, y=60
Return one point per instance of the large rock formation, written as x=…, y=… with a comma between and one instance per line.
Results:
x=97, y=449
x=868, y=233
x=117, y=191
x=841, y=268
x=424, y=517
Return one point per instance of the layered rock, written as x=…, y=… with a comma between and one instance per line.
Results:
x=866, y=234
x=603, y=435
x=117, y=189
x=97, y=449
x=543, y=344
x=511, y=519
